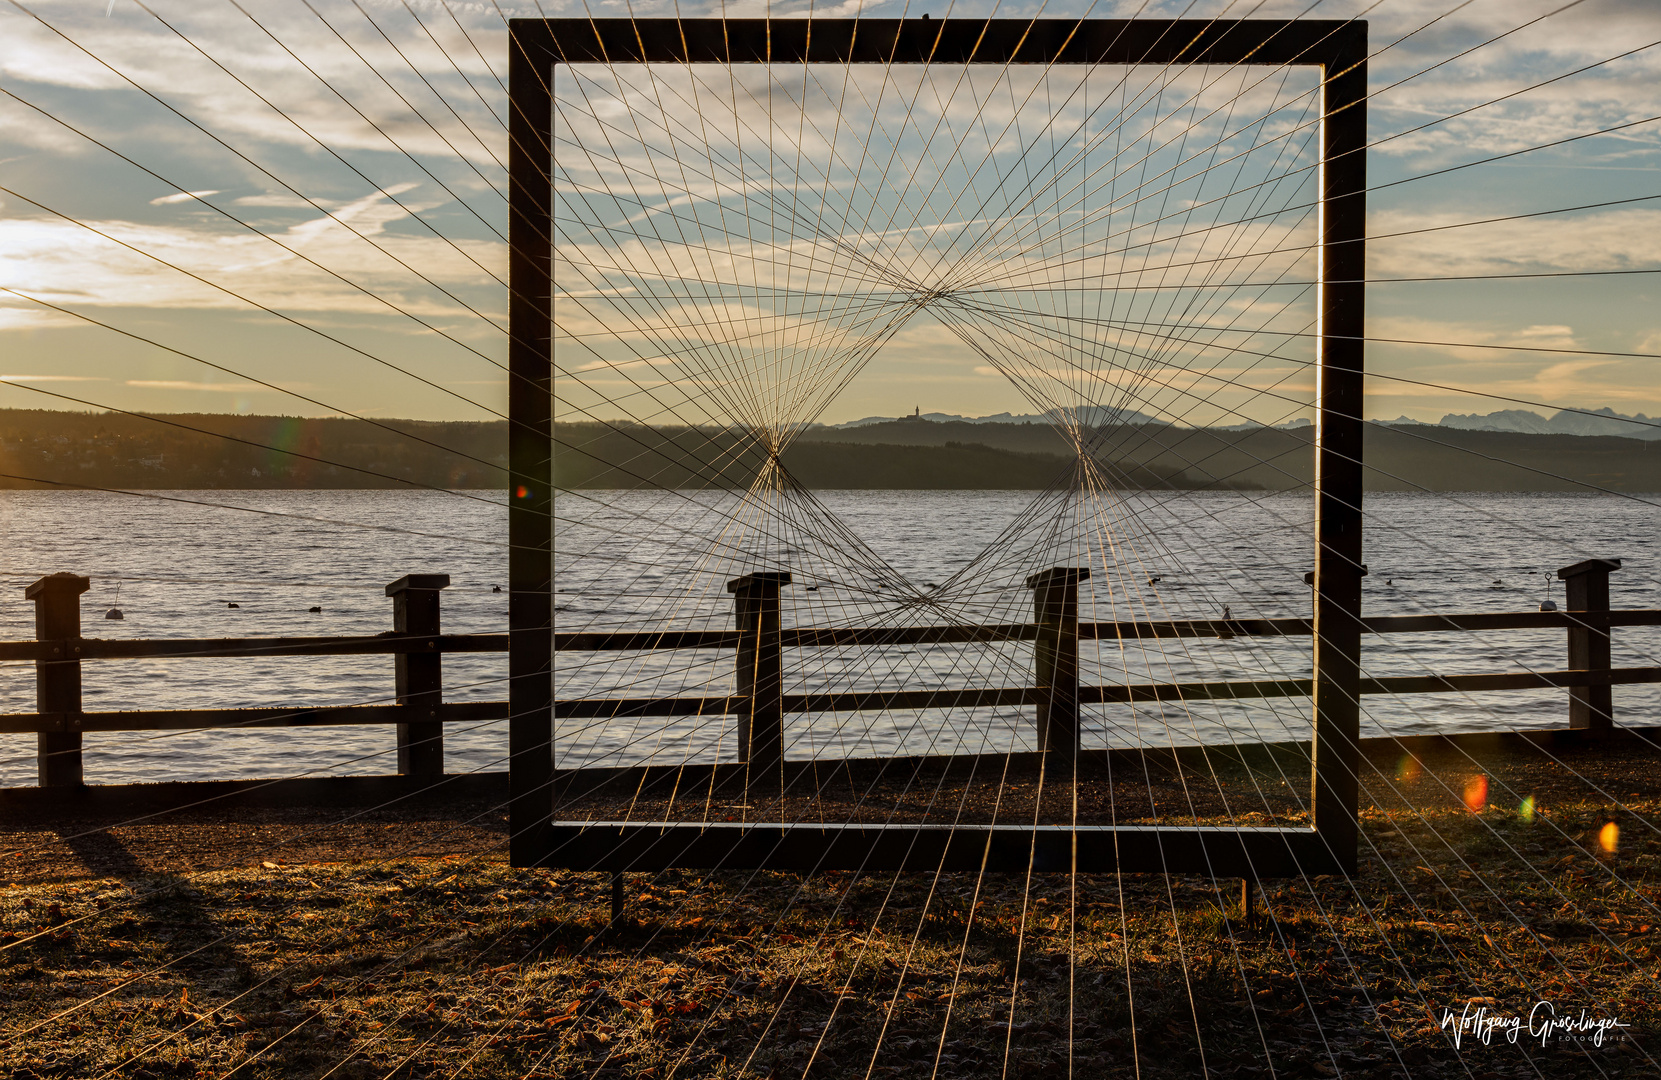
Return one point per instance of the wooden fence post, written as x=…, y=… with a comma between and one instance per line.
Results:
x=420, y=675
x=760, y=669
x=1055, y=664
x=1591, y=708
x=57, y=600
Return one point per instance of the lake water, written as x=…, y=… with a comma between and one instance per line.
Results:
x=173, y=561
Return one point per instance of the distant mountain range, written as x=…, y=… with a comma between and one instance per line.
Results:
x=1604, y=421
x=1095, y=416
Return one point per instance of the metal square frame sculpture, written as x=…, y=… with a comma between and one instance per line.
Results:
x=1339, y=48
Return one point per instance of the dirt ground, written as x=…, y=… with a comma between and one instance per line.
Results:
x=293, y=943
x=42, y=847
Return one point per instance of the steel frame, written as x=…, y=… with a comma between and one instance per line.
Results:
x=1339, y=48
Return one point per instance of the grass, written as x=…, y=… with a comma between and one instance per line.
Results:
x=461, y=966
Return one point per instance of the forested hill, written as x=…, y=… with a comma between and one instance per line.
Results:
x=52, y=449
x=219, y=450
x=1405, y=457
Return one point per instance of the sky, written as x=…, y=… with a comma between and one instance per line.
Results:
x=278, y=210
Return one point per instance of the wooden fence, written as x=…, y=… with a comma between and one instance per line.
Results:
x=758, y=642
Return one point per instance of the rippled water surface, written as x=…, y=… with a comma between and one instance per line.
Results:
x=174, y=563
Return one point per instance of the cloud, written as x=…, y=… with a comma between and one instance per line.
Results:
x=33, y=317
x=50, y=378
x=183, y=196
x=61, y=262
x=1562, y=381
x=278, y=199
x=70, y=263
x=1491, y=374
x=620, y=365
x=1591, y=240
x=182, y=68
x=1472, y=340
x=211, y=387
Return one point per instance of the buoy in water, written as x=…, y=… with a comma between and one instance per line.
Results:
x=114, y=613
x=813, y=588
x=1155, y=580
x=495, y=588
x=314, y=610
x=231, y=605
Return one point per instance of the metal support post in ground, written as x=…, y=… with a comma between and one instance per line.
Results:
x=760, y=670
x=1591, y=708
x=58, y=680
x=1338, y=451
x=1055, y=666
x=420, y=676
x=530, y=389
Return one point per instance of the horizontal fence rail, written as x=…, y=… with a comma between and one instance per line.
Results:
x=852, y=701
x=863, y=701
x=795, y=638
x=236, y=648
x=236, y=719
x=831, y=637
x=417, y=646
x=808, y=847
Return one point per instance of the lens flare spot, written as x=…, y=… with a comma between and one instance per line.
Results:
x=1609, y=837
x=1525, y=810
x=1476, y=794
x=1408, y=769
x=522, y=491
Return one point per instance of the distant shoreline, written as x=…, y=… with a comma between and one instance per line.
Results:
x=42, y=449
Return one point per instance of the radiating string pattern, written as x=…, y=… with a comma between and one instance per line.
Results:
x=738, y=249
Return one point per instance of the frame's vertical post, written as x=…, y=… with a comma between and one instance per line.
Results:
x=419, y=672
x=1591, y=708
x=1055, y=666
x=760, y=670
x=530, y=435
x=1338, y=436
x=58, y=679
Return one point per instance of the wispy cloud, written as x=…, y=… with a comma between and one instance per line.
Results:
x=65, y=262
x=1593, y=240
x=183, y=196
x=184, y=384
